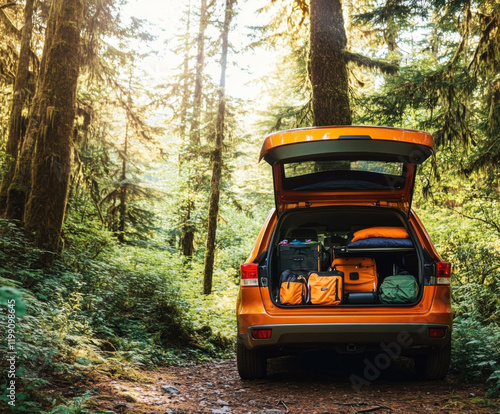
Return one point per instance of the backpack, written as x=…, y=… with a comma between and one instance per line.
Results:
x=293, y=288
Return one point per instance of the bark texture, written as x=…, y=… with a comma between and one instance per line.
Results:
x=328, y=70
x=21, y=92
x=51, y=166
x=213, y=209
x=19, y=189
x=187, y=239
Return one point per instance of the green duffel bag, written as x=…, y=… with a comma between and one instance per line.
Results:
x=398, y=289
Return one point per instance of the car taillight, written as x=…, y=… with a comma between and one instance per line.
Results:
x=261, y=333
x=437, y=332
x=249, y=274
x=443, y=273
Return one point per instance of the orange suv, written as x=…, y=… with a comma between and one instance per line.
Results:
x=343, y=262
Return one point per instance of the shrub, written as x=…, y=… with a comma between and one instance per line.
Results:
x=99, y=309
x=476, y=350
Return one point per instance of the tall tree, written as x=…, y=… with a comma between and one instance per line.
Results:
x=325, y=65
x=51, y=166
x=113, y=133
x=185, y=91
x=213, y=210
x=11, y=35
x=328, y=67
x=20, y=94
x=188, y=227
x=19, y=188
x=195, y=133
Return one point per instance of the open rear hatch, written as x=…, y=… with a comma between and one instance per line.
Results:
x=346, y=165
x=330, y=183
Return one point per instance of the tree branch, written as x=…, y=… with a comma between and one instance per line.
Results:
x=4, y=6
x=364, y=61
x=488, y=223
x=8, y=23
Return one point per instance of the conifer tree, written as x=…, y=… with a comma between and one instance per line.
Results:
x=185, y=91
x=447, y=76
x=19, y=189
x=194, y=146
x=51, y=166
x=327, y=61
x=20, y=94
x=216, y=158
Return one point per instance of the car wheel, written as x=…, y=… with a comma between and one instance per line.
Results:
x=252, y=364
x=435, y=365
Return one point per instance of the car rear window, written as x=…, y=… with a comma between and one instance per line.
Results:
x=342, y=175
x=295, y=169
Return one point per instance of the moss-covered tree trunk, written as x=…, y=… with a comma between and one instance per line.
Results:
x=51, y=165
x=328, y=70
x=20, y=96
x=19, y=189
x=213, y=209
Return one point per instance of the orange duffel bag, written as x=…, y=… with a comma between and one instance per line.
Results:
x=293, y=288
x=360, y=273
x=324, y=288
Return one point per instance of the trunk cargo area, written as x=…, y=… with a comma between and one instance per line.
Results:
x=355, y=251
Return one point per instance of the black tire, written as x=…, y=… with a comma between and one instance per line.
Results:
x=252, y=364
x=434, y=366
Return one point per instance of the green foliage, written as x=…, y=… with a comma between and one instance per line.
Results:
x=476, y=300
x=4, y=160
x=476, y=351
x=472, y=248
x=495, y=379
x=105, y=313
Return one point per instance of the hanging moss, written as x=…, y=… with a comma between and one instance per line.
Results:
x=383, y=66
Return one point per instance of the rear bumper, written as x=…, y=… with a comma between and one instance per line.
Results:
x=408, y=336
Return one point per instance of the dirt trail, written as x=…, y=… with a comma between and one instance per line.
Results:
x=311, y=383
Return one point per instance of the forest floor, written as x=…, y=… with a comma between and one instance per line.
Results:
x=309, y=383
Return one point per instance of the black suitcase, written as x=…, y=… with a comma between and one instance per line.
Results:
x=310, y=256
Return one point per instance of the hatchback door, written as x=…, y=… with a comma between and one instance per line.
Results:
x=345, y=165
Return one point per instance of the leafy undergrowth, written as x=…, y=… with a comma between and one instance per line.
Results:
x=113, y=314
x=476, y=352
x=474, y=252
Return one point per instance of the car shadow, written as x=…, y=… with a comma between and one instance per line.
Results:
x=329, y=366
